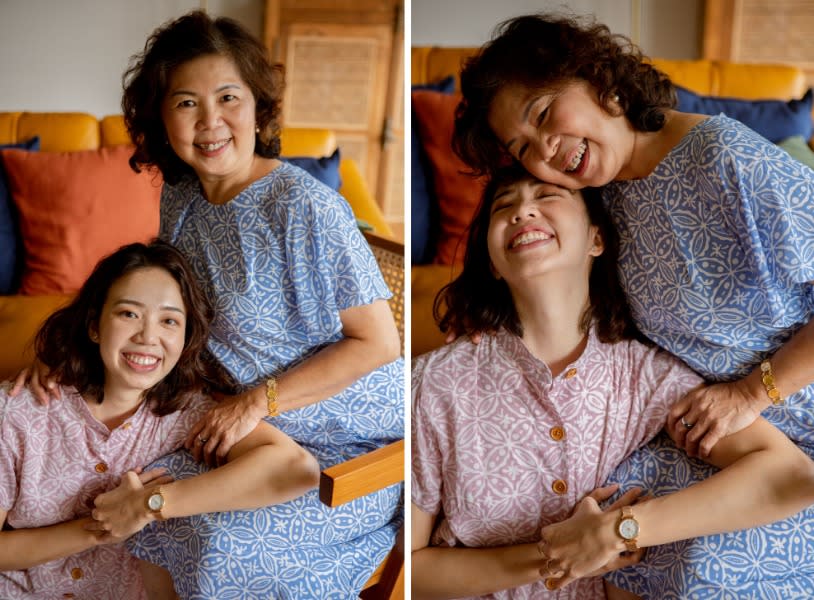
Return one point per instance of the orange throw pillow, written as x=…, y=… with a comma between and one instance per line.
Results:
x=458, y=194
x=75, y=208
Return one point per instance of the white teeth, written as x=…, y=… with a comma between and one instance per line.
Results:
x=213, y=147
x=141, y=360
x=529, y=237
x=577, y=157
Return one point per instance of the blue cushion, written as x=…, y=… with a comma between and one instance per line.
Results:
x=423, y=208
x=775, y=120
x=325, y=169
x=11, y=243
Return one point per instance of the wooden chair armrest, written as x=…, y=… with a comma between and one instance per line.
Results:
x=362, y=475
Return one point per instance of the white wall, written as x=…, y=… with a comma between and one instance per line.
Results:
x=663, y=28
x=69, y=55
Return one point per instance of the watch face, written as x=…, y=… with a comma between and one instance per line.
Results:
x=629, y=529
x=155, y=502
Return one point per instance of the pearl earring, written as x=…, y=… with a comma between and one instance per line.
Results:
x=615, y=97
x=257, y=128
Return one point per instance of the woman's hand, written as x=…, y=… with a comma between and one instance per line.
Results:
x=211, y=438
x=586, y=544
x=708, y=413
x=122, y=511
x=39, y=380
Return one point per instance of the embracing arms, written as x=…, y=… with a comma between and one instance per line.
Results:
x=370, y=340
x=764, y=478
x=724, y=408
x=266, y=467
x=445, y=572
x=25, y=548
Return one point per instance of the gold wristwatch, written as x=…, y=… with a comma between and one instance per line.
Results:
x=628, y=529
x=155, y=503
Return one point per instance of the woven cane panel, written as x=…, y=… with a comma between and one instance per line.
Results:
x=775, y=31
x=391, y=264
x=328, y=81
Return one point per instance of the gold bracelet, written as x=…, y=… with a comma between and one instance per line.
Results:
x=768, y=382
x=271, y=397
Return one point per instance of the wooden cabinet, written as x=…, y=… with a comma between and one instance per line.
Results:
x=344, y=72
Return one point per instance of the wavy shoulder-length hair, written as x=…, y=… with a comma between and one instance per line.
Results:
x=147, y=78
x=477, y=301
x=63, y=342
x=544, y=53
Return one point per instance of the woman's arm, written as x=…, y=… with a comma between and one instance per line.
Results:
x=266, y=467
x=26, y=548
x=370, y=340
x=447, y=572
x=764, y=478
x=724, y=408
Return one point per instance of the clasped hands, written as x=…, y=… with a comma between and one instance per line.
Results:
x=586, y=544
x=122, y=511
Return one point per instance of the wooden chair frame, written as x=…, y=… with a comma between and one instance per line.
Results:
x=383, y=467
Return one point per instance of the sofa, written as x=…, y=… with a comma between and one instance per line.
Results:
x=71, y=141
x=772, y=99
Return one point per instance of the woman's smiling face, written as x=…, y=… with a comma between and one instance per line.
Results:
x=141, y=330
x=209, y=115
x=564, y=137
x=536, y=228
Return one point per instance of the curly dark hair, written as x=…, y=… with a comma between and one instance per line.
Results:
x=544, y=52
x=63, y=342
x=476, y=301
x=175, y=43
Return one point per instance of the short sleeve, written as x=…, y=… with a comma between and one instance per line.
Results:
x=175, y=426
x=426, y=450
x=657, y=380
x=775, y=208
x=9, y=453
x=324, y=246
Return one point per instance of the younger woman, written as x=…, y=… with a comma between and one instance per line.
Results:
x=510, y=434
x=128, y=354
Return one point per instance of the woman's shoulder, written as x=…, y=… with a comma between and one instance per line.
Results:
x=24, y=408
x=649, y=362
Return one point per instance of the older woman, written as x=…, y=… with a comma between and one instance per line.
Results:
x=716, y=239
x=301, y=316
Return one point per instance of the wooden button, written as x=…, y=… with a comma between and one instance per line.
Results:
x=101, y=468
x=550, y=583
x=570, y=373
x=559, y=487
x=126, y=425
x=557, y=433
x=77, y=573
x=68, y=595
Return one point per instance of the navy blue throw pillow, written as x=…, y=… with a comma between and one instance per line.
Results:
x=424, y=212
x=776, y=120
x=325, y=169
x=11, y=243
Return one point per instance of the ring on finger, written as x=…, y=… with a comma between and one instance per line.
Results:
x=686, y=424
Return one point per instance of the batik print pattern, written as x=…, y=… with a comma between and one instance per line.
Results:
x=50, y=472
x=716, y=256
x=483, y=451
x=280, y=261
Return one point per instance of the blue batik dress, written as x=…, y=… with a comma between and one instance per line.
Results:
x=279, y=262
x=716, y=259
